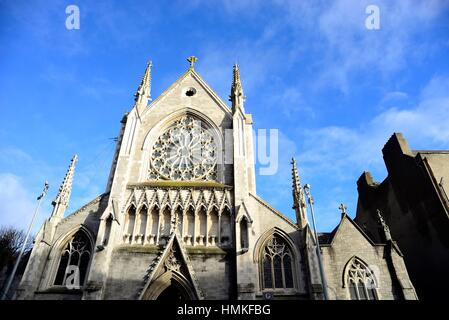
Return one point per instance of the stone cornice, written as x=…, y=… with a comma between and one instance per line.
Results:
x=178, y=185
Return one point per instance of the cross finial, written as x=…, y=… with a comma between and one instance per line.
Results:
x=343, y=208
x=192, y=60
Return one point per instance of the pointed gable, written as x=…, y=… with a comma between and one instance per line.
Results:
x=188, y=80
x=348, y=229
x=172, y=261
x=243, y=213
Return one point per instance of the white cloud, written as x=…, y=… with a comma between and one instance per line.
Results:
x=276, y=188
x=394, y=97
x=39, y=18
x=12, y=155
x=353, y=49
x=333, y=157
x=436, y=88
x=334, y=33
x=339, y=149
x=23, y=179
x=290, y=101
x=255, y=59
x=16, y=202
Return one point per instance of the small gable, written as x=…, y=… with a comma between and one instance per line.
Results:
x=348, y=233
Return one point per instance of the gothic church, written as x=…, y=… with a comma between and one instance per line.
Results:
x=181, y=219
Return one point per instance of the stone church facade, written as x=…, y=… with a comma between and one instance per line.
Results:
x=181, y=219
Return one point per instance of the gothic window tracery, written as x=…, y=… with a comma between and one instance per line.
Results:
x=185, y=151
x=74, y=258
x=277, y=264
x=360, y=281
x=197, y=223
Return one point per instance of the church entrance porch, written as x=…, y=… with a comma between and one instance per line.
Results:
x=173, y=293
x=170, y=286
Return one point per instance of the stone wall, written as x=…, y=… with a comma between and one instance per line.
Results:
x=212, y=266
x=348, y=242
x=414, y=208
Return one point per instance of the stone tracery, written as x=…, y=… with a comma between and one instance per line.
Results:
x=360, y=280
x=200, y=217
x=185, y=151
x=277, y=265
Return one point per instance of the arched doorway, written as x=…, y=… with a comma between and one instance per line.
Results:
x=173, y=293
x=170, y=286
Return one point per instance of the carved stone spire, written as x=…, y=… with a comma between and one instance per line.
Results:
x=385, y=227
x=144, y=91
x=299, y=200
x=61, y=201
x=237, y=97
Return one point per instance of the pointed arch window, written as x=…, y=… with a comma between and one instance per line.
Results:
x=154, y=220
x=166, y=223
x=202, y=227
x=213, y=227
x=360, y=281
x=277, y=264
x=189, y=227
x=75, y=257
x=225, y=227
x=244, y=241
x=143, y=217
x=180, y=221
x=130, y=220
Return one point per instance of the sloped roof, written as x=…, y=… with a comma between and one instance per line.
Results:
x=278, y=213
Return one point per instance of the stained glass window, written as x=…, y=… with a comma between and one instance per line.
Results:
x=360, y=280
x=185, y=151
x=277, y=264
x=76, y=254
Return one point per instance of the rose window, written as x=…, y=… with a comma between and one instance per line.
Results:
x=185, y=151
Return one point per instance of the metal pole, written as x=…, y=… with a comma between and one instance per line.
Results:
x=11, y=276
x=318, y=249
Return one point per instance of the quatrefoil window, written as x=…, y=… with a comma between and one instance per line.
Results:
x=185, y=151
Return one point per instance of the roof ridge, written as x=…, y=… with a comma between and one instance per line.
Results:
x=76, y=212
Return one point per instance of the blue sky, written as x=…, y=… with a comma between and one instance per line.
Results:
x=335, y=90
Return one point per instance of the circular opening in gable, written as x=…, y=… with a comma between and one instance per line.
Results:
x=190, y=92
